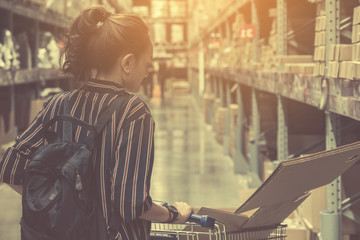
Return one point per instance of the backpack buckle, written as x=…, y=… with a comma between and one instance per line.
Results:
x=112, y=233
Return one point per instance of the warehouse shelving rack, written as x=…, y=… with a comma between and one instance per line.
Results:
x=19, y=86
x=336, y=98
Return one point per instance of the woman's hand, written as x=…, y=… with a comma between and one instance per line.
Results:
x=184, y=211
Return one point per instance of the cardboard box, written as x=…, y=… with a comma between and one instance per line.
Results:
x=337, y=52
x=356, y=16
x=342, y=70
x=287, y=188
x=355, y=37
x=320, y=38
x=333, y=70
x=322, y=69
x=356, y=66
x=356, y=52
x=346, y=70
x=332, y=52
x=295, y=59
x=319, y=54
x=346, y=52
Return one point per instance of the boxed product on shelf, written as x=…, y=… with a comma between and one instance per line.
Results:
x=334, y=53
x=346, y=70
x=320, y=24
x=355, y=34
x=295, y=59
x=333, y=70
x=356, y=52
x=356, y=18
x=319, y=69
x=320, y=38
x=319, y=53
x=346, y=51
x=356, y=66
x=300, y=68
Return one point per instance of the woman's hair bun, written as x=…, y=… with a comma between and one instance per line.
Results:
x=87, y=22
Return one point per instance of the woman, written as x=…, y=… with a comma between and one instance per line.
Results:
x=110, y=52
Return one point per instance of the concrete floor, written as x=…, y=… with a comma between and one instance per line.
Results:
x=189, y=164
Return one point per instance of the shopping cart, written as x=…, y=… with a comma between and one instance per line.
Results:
x=201, y=227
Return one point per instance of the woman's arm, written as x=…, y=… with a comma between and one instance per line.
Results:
x=157, y=213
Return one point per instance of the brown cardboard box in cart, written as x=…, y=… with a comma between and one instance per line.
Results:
x=288, y=187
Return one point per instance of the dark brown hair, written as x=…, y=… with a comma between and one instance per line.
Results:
x=97, y=38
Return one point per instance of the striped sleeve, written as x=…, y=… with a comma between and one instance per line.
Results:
x=17, y=157
x=132, y=168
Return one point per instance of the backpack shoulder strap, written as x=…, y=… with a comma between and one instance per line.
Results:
x=106, y=115
x=67, y=135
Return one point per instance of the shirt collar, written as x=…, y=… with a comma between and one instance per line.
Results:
x=95, y=85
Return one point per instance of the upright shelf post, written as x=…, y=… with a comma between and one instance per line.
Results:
x=281, y=25
x=201, y=69
x=330, y=226
x=255, y=22
x=226, y=143
x=255, y=123
x=282, y=131
x=254, y=146
x=240, y=164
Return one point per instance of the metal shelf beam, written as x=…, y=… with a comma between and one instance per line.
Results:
x=35, y=13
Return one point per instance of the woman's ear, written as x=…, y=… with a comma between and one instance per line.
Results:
x=128, y=62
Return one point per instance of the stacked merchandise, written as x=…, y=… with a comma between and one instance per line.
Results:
x=48, y=53
x=298, y=64
x=269, y=51
x=344, y=59
x=240, y=54
x=320, y=40
x=356, y=42
x=9, y=56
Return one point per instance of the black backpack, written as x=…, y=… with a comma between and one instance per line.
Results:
x=60, y=200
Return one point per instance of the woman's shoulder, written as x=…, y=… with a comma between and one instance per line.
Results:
x=136, y=107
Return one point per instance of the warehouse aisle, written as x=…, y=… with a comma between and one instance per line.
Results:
x=189, y=164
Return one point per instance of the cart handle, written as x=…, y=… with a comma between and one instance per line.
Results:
x=203, y=220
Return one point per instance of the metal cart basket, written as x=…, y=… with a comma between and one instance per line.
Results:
x=194, y=231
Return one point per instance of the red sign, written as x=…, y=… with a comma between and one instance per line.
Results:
x=247, y=31
x=215, y=44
